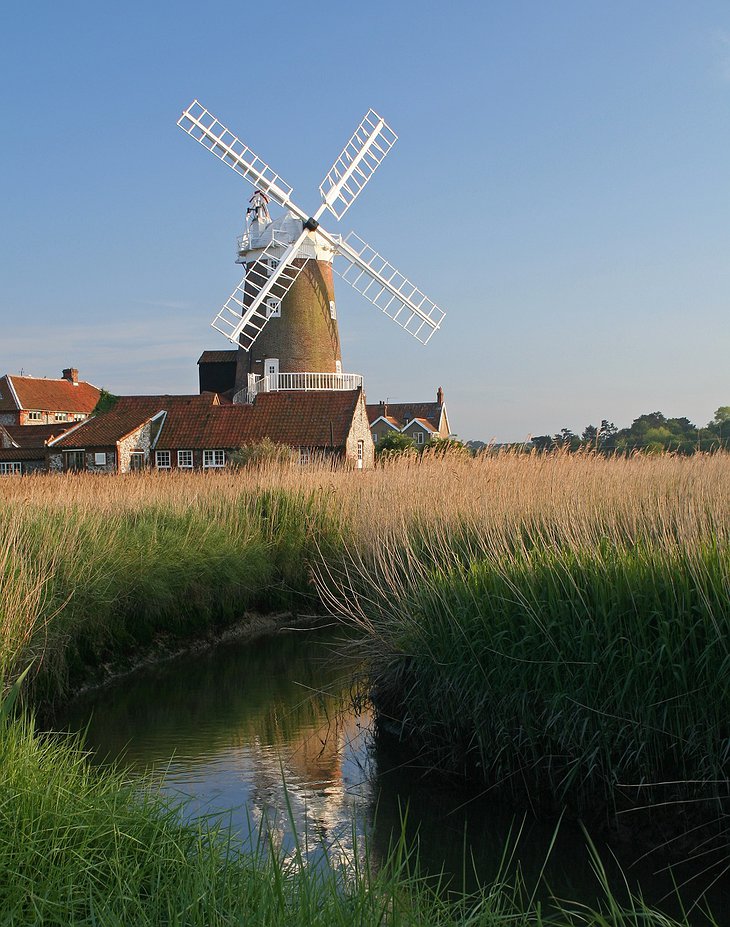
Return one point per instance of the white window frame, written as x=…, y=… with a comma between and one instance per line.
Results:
x=304, y=456
x=375, y=437
x=333, y=309
x=163, y=455
x=136, y=455
x=182, y=460
x=34, y=416
x=338, y=367
x=214, y=459
x=273, y=308
x=419, y=437
x=10, y=468
x=99, y=458
x=60, y=416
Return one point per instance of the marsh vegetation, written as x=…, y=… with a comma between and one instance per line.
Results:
x=552, y=626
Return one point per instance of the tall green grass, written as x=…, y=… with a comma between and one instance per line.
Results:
x=577, y=653
x=81, y=587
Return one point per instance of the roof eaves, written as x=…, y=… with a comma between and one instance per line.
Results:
x=70, y=431
x=12, y=390
x=141, y=424
x=163, y=413
x=382, y=418
x=10, y=438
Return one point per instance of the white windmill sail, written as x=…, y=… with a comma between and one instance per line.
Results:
x=358, y=161
x=267, y=281
x=378, y=281
x=213, y=135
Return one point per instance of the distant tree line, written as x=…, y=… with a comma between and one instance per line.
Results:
x=652, y=432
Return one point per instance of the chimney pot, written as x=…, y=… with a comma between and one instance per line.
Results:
x=72, y=375
x=440, y=396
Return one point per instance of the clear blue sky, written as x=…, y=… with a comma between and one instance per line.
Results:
x=561, y=186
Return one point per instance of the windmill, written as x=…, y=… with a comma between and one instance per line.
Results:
x=282, y=316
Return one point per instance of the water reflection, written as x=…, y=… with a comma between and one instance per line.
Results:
x=228, y=727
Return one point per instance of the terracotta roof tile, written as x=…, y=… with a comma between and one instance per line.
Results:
x=36, y=435
x=316, y=419
x=105, y=429
x=37, y=393
x=8, y=454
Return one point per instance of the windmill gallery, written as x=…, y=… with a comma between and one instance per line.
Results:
x=283, y=381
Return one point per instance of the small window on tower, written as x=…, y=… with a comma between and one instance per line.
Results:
x=273, y=308
x=333, y=310
x=338, y=366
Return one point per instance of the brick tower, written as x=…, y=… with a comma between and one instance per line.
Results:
x=301, y=335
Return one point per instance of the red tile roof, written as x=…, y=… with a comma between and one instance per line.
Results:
x=9, y=454
x=36, y=435
x=300, y=419
x=316, y=419
x=105, y=429
x=37, y=393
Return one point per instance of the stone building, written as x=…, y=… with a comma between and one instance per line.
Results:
x=23, y=449
x=39, y=401
x=202, y=432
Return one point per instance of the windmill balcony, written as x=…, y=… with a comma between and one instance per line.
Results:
x=305, y=382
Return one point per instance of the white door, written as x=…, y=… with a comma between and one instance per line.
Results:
x=271, y=370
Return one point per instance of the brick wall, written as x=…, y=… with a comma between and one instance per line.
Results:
x=306, y=337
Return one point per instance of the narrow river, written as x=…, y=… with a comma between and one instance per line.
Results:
x=264, y=734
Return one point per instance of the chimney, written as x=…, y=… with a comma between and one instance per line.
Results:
x=384, y=408
x=72, y=375
x=440, y=396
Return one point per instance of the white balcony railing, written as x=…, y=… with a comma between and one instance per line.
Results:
x=304, y=382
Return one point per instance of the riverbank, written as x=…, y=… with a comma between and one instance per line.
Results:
x=554, y=625
x=569, y=646
x=82, y=846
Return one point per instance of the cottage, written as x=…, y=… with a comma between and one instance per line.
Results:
x=201, y=432
x=23, y=449
x=39, y=401
x=421, y=421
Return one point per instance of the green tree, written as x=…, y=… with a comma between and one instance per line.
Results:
x=106, y=401
x=394, y=443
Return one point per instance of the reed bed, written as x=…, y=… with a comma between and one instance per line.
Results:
x=555, y=623
x=559, y=629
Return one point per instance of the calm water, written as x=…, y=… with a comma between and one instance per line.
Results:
x=227, y=728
